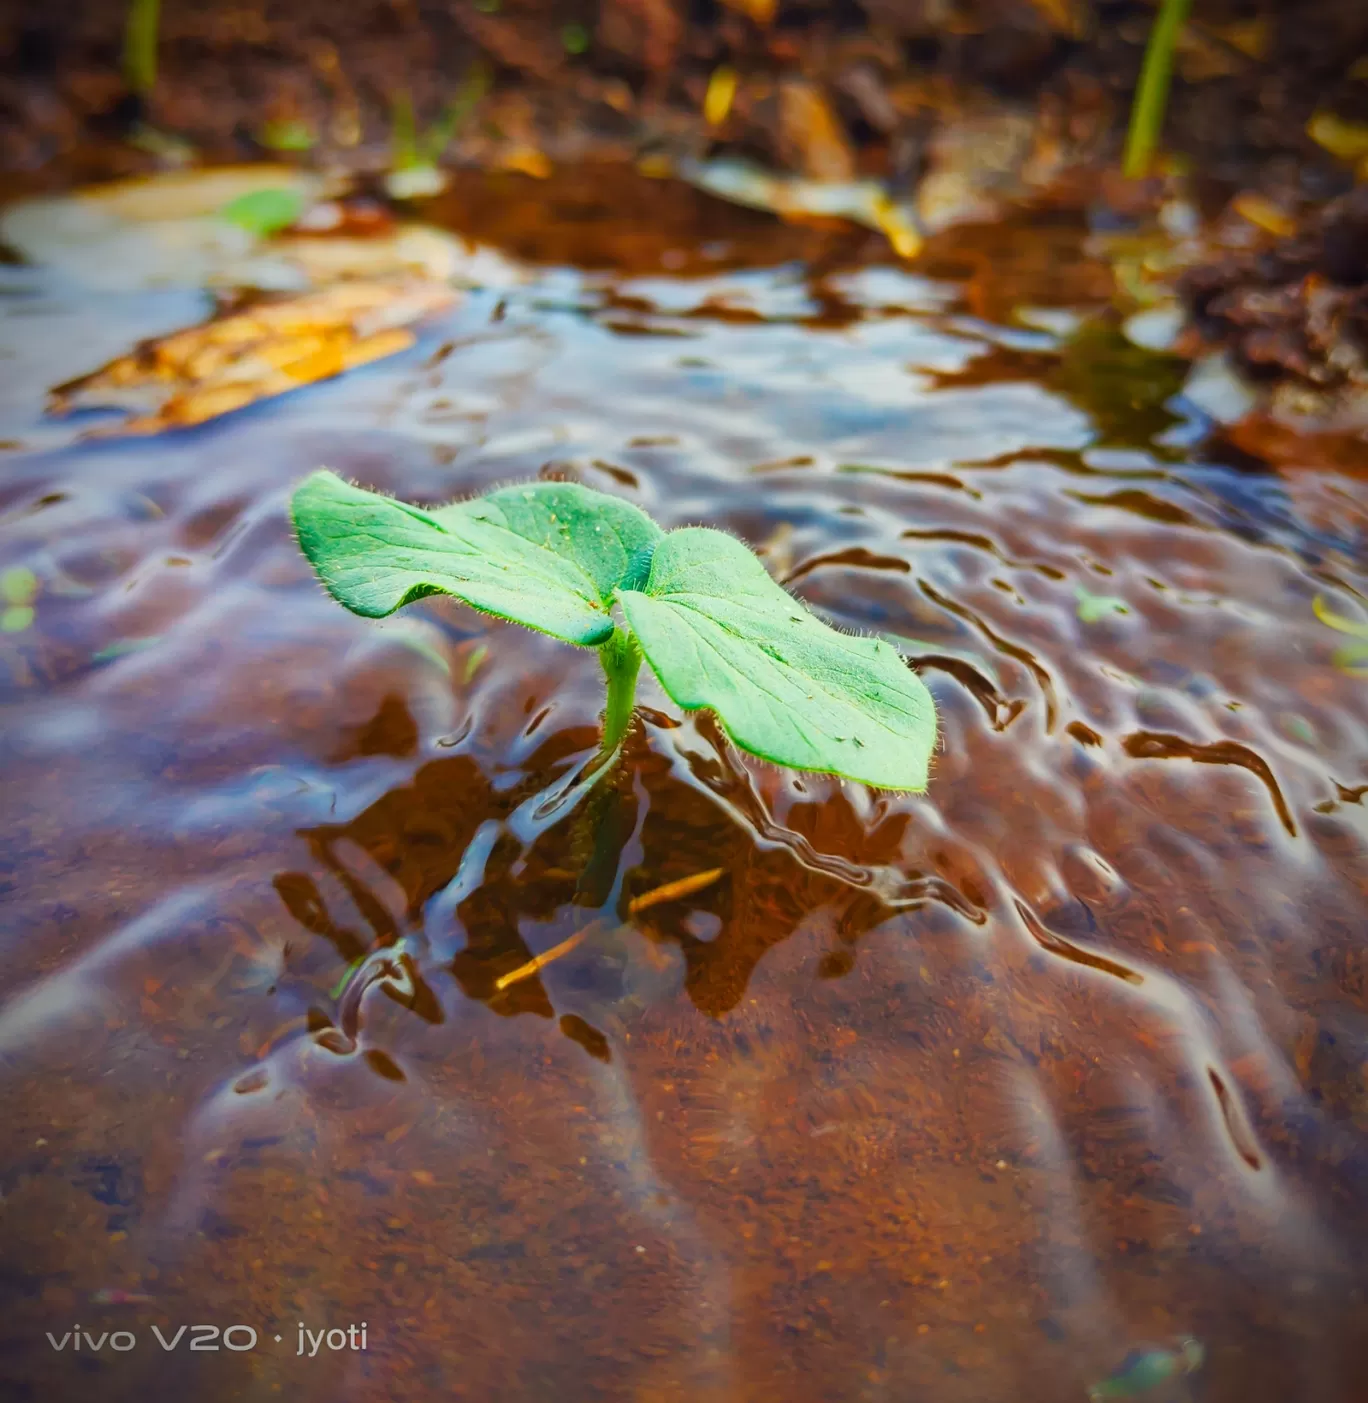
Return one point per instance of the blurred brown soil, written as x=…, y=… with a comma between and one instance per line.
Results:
x=833, y=88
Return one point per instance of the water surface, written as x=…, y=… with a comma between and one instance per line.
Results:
x=962, y=1096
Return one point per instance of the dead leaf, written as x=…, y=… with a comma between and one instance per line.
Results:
x=866, y=85
x=815, y=139
x=1250, y=37
x=761, y=11
x=1341, y=138
x=1218, y=51
x=255, y=353
x=718, y=100
x=649, y=31
x=1264, y=214
x=806, y=201
x=975, y=164
x=1068, y=17
x=156, y=231
x=524, y=160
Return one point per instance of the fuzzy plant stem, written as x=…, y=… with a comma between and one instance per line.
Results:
x=1151, y=95
x=140, y=46
x=621, y=659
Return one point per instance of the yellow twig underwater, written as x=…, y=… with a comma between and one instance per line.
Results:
x=684, y=886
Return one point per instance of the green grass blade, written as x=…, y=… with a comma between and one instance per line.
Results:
x=1151, y=95
x=403, y=133
x=546, y=555
x=473, y=88
x=140, y=45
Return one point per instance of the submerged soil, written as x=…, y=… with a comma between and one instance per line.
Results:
x=966, y=1096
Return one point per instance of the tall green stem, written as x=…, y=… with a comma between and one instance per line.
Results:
x=621, y=659
x=1151, y=95
x=140, y=45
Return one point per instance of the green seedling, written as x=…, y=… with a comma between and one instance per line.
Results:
x=1151, y=94
x=593, y=570
x=408, y=150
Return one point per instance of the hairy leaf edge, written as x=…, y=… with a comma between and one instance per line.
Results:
x=418, y=592
x=811, y=770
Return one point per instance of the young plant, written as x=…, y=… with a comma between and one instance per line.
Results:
x=414, y=161
x=595, y=571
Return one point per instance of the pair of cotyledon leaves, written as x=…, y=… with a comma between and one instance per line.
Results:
x=717, y=631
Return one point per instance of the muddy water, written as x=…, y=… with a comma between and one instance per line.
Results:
x=956, y=1097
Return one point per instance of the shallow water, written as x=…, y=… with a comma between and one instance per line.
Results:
x=955, y=1097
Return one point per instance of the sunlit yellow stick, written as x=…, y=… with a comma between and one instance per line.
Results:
x=683, y=887
x=718, y=99
x=538, y=962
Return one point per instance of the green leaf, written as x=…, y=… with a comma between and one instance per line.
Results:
x=547, y=555
x=716, y=629
x=18, y=585
x=1093, y=608
x=288, y=134
x=264, y=212
x=609, y=539
x=720, y=633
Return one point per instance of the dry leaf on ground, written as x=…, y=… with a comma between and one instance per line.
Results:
x=813, y=136
x=262, y=350
x=157, y=231
x=793, y=198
